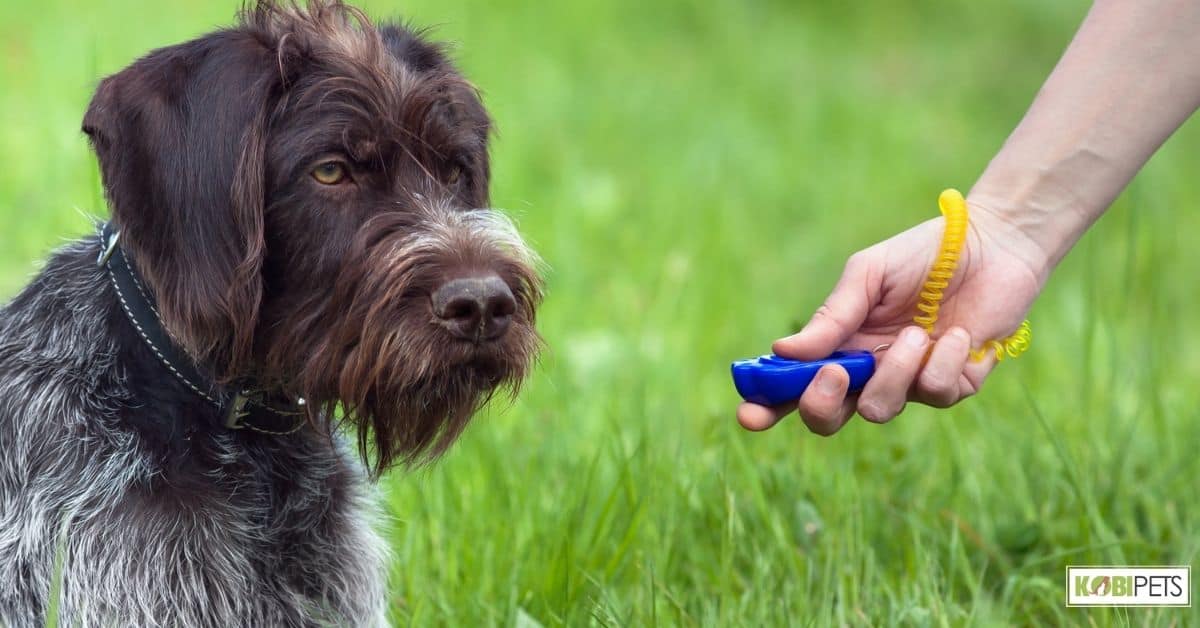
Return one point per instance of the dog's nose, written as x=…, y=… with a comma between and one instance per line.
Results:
x=475, y=308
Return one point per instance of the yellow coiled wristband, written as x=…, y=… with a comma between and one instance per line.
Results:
x=954, y=209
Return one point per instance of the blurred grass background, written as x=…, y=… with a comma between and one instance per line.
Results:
x=695, y=174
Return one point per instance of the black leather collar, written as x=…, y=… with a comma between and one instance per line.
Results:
x=240, y=407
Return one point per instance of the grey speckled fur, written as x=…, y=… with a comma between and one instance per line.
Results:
x=138, y=551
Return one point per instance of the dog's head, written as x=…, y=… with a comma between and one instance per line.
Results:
x=305, y=193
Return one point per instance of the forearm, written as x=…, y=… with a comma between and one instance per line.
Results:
x=1129, y=78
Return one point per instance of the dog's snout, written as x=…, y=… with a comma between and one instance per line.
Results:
x=475, y=308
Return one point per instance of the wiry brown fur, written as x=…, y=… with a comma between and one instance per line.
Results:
x=315, y=292
x=365, y=347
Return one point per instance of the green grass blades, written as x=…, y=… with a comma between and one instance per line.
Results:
x=695, y=174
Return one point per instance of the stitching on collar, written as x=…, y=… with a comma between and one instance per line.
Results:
x=194, y=387
x=129, y=313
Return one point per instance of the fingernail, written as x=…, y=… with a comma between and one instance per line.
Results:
x=914, y=337
x=960, y=334
x=791, y=337
x=869, y=411
x=826, y=384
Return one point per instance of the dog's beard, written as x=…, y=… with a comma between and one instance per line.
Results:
x=373, y=355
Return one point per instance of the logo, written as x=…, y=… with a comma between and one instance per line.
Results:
x=1129, y=586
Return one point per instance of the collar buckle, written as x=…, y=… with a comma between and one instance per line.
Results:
x=108, y=244
x=237, y=410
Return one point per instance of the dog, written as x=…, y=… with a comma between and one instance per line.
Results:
x=298, y=244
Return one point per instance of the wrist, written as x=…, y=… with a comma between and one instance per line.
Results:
x=1023, y=235
x=1037, y=208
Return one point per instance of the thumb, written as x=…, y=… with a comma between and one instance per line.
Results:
x=834, y=322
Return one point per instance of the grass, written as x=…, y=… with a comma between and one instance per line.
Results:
x=695, y=174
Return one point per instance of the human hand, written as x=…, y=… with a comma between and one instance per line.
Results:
x=1000, y=272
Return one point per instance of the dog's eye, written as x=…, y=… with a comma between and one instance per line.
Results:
x=330, y=173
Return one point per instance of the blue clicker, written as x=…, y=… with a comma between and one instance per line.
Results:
x=770, y=380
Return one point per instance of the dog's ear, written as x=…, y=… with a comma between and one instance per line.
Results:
x=181, y=140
